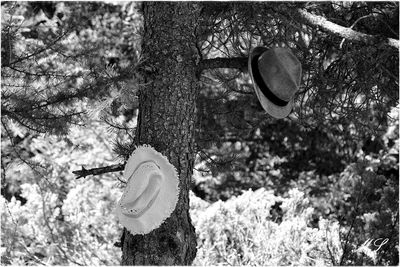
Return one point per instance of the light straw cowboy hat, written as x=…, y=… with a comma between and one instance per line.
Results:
x=276, y=76
x=151, y=192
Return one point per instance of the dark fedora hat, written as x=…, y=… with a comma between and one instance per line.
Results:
x=276, y=76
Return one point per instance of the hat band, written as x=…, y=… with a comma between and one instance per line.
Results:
x=263, y=87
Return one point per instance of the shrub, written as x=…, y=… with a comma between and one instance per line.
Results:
x=245, y=230
x=80, y=231
x=62, y=220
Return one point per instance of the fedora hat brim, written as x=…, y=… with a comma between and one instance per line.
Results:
x=277, y=111
x=164, y=203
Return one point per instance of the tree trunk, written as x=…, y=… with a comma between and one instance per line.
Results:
x=166, y=122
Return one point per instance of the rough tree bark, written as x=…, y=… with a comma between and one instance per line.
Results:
x=166, y=122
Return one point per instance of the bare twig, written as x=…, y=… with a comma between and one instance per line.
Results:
x=97, y=171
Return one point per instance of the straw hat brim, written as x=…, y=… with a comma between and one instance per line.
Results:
x=166, y=200
x=275, y=111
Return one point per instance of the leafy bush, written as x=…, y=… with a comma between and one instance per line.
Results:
x=55, y=219
x=61, y=220
x=80, y=232
x=362, y=197
x=245, y=231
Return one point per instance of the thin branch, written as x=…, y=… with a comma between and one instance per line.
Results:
x=345, y=249
x=36, y=52
x=97, y=171
x=329, y=250
x=344, y=32
x=354, y=24
x=215, y=63
x=28, y=162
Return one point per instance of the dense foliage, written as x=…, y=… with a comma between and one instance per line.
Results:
x=59, y=220
x=310, y=189
x=247, y=231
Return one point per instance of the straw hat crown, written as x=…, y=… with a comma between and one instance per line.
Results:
x=151, y=193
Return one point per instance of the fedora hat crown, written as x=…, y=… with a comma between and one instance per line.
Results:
x=280, y=71
x=276, y=76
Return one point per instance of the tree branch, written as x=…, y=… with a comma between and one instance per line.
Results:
x=43, y=49
x=97, y=171
x=312, y=20
x=344, y=32
x=215, y=63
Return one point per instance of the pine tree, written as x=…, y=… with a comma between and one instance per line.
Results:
x=166, y=121
x=189, y=73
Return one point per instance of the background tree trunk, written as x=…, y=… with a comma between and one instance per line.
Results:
x=166, y=122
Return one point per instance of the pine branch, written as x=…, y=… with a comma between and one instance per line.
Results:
x=314, y=21
x=215, y=63
x=344, y=32
x=36, y=53
x=97, y=171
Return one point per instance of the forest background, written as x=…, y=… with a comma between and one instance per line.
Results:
x=310, y=189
